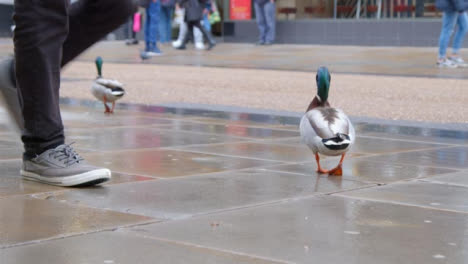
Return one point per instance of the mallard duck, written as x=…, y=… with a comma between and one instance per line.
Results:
x=326, y=130
x=106, y=90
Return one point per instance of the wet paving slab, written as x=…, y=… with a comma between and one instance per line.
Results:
x=416, y=134
x=362, y=170
x=243, y=131
x=28, y=219
x=450, y=157
x=171, y=163
x=254, y=150
x=103, y=248
x=222, y=187
x=328, y=230
x=458, y=178
x=183, y=198
x=423, y=194
x=140, y=138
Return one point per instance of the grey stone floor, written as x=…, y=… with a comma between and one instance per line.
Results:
x=220, y=187
x=392, y=61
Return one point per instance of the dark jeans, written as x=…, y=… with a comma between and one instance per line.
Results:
x=48, y=35
x=190, y=25
x=165, y=25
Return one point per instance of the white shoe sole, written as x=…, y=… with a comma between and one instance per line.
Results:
x=152, y=54
x=85, y=179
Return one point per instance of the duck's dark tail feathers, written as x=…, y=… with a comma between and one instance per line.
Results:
x=339, y=142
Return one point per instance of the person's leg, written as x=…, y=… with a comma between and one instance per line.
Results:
x=270, y=18
x=42, y=46
x=164, y=17
x=38, y=44
x=187, y=35
x=261, y=23
x=198, y=37
x=85, y=26
x=462, y=23
x=206, y=34
x=170, y=13
x=155, y=10
x=147, y=30
x=182, y=31
x=448, y=22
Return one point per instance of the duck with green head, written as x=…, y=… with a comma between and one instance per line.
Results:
x=106, y=90
x=326, y=130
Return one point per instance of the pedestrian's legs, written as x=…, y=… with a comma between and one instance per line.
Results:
x=163, y=24
x=182, y=31
x=261, y=23
x=205, y=33
x=188, y=34
x=147, y=30
x=462, y=22
x=43, y=45
x=38, y=41
x=270, y=19
x=197, y=36
x=170, y=12
x=153, y=12
x=448, y=22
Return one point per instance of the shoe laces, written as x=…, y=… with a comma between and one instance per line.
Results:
x=66, y=154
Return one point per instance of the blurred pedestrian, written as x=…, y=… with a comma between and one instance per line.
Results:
x=454, y=12
x=153, y=10
x=165, y=25
x=197, y=36
x=265, y=12
x=48, y=35
x=193, y=16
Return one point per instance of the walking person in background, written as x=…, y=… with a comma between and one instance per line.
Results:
x=265, y=12
x=197, y=36
x=153, y=10
x=165, y=25
x=454, y=12
x=48, y=35
x=193, y=16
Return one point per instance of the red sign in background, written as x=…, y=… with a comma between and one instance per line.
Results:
x=240, y=9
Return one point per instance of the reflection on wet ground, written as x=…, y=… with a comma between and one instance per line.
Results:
x=199, y=186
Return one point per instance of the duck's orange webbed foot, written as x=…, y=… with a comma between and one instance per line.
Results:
x=319, y=168
x=108, y=110
x=338, y=171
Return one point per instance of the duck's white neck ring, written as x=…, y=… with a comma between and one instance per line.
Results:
x=318, y=98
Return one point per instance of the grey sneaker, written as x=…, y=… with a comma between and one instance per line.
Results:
x=62, y=166
x=9, y=95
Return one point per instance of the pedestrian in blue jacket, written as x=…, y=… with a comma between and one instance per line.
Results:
x=454, y=12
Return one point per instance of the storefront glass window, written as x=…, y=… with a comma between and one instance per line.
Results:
x=344, y=9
